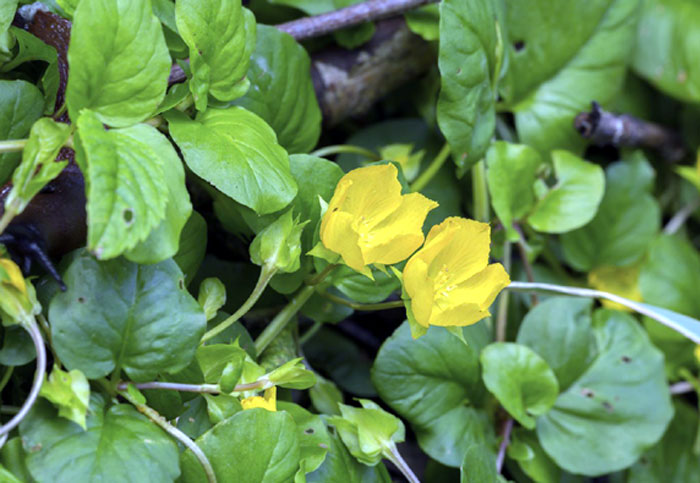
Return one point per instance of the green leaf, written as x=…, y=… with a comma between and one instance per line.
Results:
x=527, y=451
x=512, y=169
x=617, y=409
x=566, y=320
x=339, y=465
x=125, y=183
x=13, y=458
x=562, y=56
x=325, y=396
x=314, y=438
x=627, y=221
x=521, y=380
x=69, y=392
x=666, y=38
x=674, y=459
x=61, y=451
x=221, y=38
x=21, y=103
x=119, y=315
x=470, y=62
x=574, y=200
x=163, y=241
x=7, y=13
x=212, y=296
x=281, y=91
x=479, y=465
x=237, y=152
x=429, y=382
x=293, y=375
x=219, y=359
x=253, y=446
x=17, y=346
x=38, y=165
x=119, y=63
x=670, y=276
x=361, y=289
x=278, y=246
x=424, y=21
x=193, y=244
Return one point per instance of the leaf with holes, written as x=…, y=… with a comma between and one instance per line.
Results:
x=117, y=315
x=125, y=181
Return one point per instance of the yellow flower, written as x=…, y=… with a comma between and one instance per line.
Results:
x=11, y=275
x=449, y=281
x=620, y=281
x=369, y=221
x=269, y=401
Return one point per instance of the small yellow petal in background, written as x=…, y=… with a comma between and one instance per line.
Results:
x=269, y=401
x=13, y=275
x=622, y=281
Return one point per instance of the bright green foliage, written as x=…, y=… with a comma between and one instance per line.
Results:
x=121, y=86
x=520, y=379
x=479, y=466
x=51, y=442
x=563, y=55
x=212, y=296
x=221, y=37
x=666, y=54
x=626, y=222
x=574, y=200
x=69, y=392
x=20, y=105
x=278, y=245
x=37, y=168
x=471, y=58
x=314, y=437
x=339, y=465
x=266, y=441
x=281, y=91
x=237, y=152
x=125, y=183
x=148, y=302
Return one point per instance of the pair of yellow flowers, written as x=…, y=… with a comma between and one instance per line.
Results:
x=449, y=281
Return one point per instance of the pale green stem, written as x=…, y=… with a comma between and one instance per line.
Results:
x=6, y=377
x=159, y=420
x=266, y=274
x=282, y=319
x=502, y=320
x=480, y=192
x=345, y=149
x=198, y=388
x=6, y=219
x=306, y=336
x=427, y=175
x=395, y=457
x=12, y=145
x=394, y=304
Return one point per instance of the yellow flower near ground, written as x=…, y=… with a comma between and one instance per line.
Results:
x=369, y=221
x=620, y=281
x=268, y=401
x=449, y=281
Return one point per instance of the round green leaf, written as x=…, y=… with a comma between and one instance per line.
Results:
x=566, y=320
x=429, y=382
x=627, y=220
x=667, y=39
x=574, y=200
x=192, y=245
x=520, y=379
x=281, y=91
x=126, y=184
x=255, y=446
x=339, y=465
x=511, y=177
x=21, y=103
x=119, y=445
x=122, y=85
x=470, y=61
x=562, y=55
x=314, y=439
x=116, y=314
x=617, y=409
x=237, y=152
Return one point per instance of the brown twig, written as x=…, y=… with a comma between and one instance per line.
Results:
x=368, y=11
x=622, y=130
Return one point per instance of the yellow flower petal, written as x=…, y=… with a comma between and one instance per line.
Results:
x=269, y=401
x=14, y=275
x=448, y=280
x=369, y=221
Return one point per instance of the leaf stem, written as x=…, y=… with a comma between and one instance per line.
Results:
x=501, y=457
x=12, y=145
x=480, y=192
x=679, y=219
x=306, y=336
x=347, y=149
x=432, y=169
x=394, y=304
x=159, y=420
x=320, y=277
x=282, y=318
x=198, y=388
x=266, y=274
x=396, y=458
x=502, y=319
x=35, y=334
x=6, y=218
x=6, y=377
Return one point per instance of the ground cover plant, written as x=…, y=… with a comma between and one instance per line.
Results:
x=341, y=241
